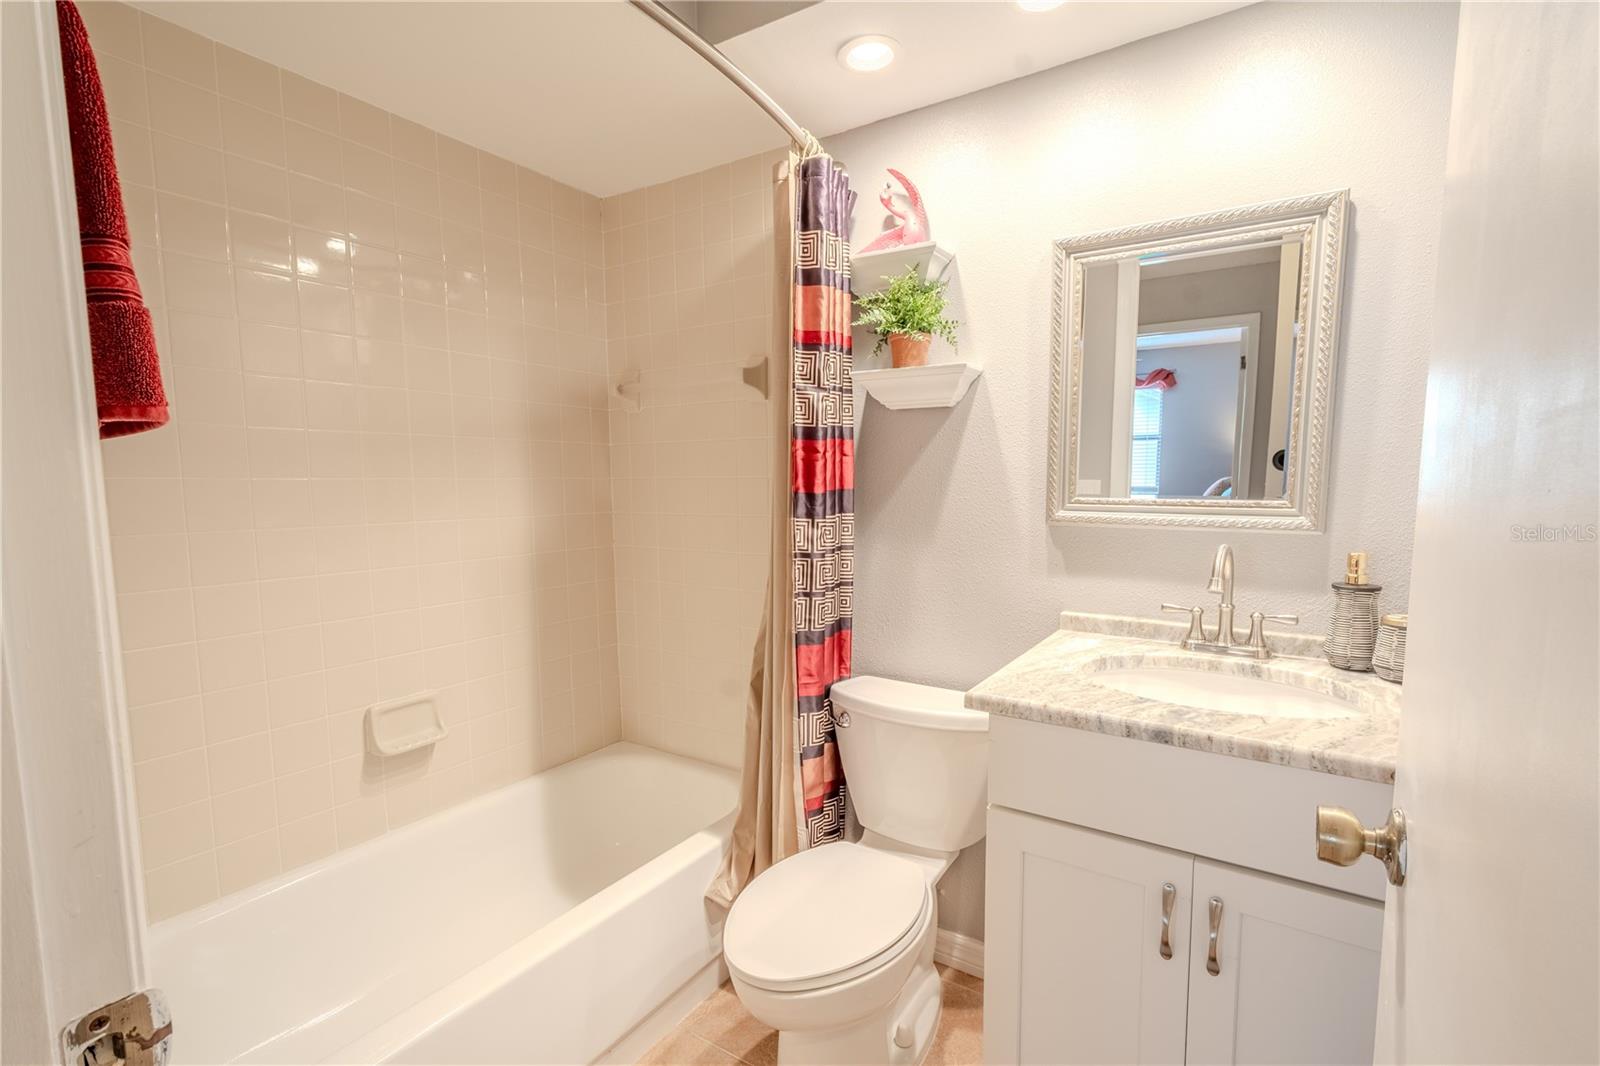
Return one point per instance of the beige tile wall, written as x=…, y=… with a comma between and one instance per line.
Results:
x=689, y=287
x=388, y=467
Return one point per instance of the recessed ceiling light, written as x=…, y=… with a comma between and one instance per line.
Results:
x=866, y=54
x=1040, y=5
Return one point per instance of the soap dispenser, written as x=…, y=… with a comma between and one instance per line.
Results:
x=1353, y=634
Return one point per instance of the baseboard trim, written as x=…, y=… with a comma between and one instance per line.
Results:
x=962, y=952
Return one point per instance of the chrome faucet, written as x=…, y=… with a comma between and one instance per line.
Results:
x=1225, y=641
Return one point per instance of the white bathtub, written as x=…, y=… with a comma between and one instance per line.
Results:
x=536, y=924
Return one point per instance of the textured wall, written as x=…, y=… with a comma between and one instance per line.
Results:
x=387, y=469
x=957, y=570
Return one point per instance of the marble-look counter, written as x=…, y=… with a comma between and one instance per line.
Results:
x=1053, y=683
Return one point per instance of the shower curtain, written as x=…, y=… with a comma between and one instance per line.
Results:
x=823, y=440
x=793, y=792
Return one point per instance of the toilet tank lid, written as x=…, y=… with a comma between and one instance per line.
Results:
x=907, y=703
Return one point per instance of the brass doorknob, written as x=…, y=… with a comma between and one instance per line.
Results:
x=1342, y=839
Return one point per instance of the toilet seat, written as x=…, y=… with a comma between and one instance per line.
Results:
x=875, y=905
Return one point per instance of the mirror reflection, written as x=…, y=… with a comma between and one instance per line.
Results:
x=1187, y=373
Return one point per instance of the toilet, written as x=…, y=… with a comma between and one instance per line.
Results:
x=833, y=947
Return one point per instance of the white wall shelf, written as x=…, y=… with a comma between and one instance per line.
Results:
x=868, y=270
x=910, y=387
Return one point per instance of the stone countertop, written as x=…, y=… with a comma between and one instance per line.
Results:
x=1052, y=683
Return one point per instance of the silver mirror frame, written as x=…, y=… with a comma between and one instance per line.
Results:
x=1321, y=219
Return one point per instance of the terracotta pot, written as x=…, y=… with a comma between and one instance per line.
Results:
x=906, y=350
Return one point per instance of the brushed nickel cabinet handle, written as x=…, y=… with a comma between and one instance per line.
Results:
x=1212, y=967
x=1169, y=896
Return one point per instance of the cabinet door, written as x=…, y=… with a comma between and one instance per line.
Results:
x=1074, y=970
x=1297, y=971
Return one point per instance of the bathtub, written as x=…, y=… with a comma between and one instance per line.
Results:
x=537, y=924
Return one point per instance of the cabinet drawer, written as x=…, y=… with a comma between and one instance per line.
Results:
x=1252, y=814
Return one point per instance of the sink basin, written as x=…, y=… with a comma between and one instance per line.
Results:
x=1228, y=693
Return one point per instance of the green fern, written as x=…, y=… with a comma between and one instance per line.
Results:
x=906, y=305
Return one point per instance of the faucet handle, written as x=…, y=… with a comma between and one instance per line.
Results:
x=1258, y=637
x=1197, y=631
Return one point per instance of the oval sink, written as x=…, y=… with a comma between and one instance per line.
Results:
x=1228, y=693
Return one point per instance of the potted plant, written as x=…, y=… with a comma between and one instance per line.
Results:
x=907, y=314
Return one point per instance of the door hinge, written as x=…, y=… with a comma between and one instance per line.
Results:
x=135, y=1030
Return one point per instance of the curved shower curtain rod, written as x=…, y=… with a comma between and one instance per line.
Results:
x=803, y=141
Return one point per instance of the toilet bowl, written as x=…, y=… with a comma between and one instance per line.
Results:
x=833, y=947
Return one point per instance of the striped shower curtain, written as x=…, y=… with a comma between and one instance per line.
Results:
x=792, y=795
x=822, y=443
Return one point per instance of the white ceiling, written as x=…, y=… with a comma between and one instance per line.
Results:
x=598, y=96
x=946, y=50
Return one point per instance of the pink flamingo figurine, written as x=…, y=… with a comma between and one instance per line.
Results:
x=913, y=227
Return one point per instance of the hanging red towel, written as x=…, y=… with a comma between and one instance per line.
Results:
x=1157, y=379
x=127, y=371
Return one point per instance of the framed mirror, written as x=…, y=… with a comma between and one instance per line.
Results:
x=1192, y=368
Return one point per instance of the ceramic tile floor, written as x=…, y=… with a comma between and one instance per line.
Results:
x=720, y=1032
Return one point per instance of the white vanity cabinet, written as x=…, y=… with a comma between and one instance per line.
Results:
x=1092, y=958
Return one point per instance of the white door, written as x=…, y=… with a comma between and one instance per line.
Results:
x=1490, y=947
x=70, y=903
x=1294, y=974
x=1076, y=970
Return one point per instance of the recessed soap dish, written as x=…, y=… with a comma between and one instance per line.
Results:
x=406, y=724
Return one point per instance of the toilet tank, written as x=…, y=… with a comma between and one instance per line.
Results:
x=916, y=760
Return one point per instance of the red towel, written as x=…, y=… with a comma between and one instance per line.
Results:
x=1157, y=379
x=127, y=371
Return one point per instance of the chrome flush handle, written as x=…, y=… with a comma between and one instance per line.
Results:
x=1212, y=966
x=1169, y=896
